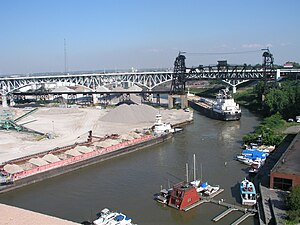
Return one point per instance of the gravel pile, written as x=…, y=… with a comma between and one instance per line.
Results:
x=38, y=161
x=73, y=152
x=83, y=149
x=12, y=168
x=131, y=114
x=51, y=158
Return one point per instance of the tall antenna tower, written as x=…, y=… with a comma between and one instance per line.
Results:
x=66, y=59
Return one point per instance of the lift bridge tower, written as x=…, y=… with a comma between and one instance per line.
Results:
x=232, y=73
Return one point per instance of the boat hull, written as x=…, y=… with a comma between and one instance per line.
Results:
x=209, y=112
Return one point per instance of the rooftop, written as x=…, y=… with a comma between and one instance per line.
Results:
x=289, y=161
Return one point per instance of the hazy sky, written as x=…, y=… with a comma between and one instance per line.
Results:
x=120, y=34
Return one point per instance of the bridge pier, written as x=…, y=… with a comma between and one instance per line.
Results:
x=4, y=101
x=95, y=99
x=233, y=89
x=183, y=100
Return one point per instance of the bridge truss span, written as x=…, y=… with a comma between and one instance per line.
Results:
x=225, y=73
x=149, y=80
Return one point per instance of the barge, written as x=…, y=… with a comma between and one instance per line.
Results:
x=222, y=108
x=37, y=167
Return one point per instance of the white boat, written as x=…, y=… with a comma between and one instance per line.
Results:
x=160, y=128
x=163, y=196
x=247, y=161
x=207, y=189
x=248, y=192
x=255, y=166
x=203, y=187
x=107, y=217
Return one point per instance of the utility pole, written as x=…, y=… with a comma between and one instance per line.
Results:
x=66, y=59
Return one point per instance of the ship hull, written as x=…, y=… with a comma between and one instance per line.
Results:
x=207, y=111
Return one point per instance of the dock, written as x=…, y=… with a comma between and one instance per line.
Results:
x=223, y=214
x=230, y=208
x=242, y=218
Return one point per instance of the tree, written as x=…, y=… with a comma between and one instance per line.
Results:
x=294, y=204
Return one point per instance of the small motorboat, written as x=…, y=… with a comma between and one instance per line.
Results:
x=163, y=196
x=248, y=192
x=107, y=217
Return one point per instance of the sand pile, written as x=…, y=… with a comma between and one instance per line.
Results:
x=131, y=114
x=38, y=161
x=12, y=168
x=51, y=158
x=83, y=149
x=73, y=152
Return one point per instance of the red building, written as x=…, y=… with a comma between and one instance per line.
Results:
x=183, y=195
x=286, y=172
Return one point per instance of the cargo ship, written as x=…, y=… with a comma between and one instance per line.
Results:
x=222, y=108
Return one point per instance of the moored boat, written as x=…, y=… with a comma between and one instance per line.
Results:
x=222, y=108
x=107, y=217
x=248, y=192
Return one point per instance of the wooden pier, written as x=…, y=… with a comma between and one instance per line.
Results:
x=223, y=214
x=230, y=208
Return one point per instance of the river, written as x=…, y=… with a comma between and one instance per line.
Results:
x=127, y=183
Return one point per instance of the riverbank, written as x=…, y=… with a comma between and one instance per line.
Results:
x=66, y=126
x=46, y=164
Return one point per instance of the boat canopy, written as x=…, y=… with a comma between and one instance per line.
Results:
x=251, y=153
x=204, y=185
x=119, y=217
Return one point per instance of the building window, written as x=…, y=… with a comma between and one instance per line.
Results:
x=283, y=184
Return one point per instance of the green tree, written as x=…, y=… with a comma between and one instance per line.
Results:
x=294, y=204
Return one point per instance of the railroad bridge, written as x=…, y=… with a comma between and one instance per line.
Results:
x=230, y=74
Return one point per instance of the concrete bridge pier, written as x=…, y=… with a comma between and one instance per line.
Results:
x=234, y=89
x=183, y=100
x=4, y=100
x=95, y=99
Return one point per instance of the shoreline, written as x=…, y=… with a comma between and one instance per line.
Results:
x=41, y=173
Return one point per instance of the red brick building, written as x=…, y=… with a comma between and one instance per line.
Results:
x=286, y=172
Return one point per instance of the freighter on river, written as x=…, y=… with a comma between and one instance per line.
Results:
x=223, y=108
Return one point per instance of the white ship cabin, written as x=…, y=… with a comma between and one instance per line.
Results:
x=225, y=102
x=160, y=128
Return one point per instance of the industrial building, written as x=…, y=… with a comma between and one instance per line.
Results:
x=286, y=172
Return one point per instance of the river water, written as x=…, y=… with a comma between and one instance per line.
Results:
x=127, y=183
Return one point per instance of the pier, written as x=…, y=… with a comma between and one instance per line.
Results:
x=223, y=214
x=230, y=208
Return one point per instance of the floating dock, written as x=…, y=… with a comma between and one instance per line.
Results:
x=230, y=208
x=223, y=214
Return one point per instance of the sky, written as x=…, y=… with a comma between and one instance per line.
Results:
x=121, y=34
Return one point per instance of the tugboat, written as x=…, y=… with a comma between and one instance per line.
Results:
x=159, y=128
x=223, y=108
x=248, y=192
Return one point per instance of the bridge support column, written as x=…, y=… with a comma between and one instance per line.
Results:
x=277, y=74
x=12, y=102
x=4, y=101
x=233, y=89
x=183, y=101
x=170, y=101
x=95, y=99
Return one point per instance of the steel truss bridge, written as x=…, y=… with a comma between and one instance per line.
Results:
x=230, y=74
